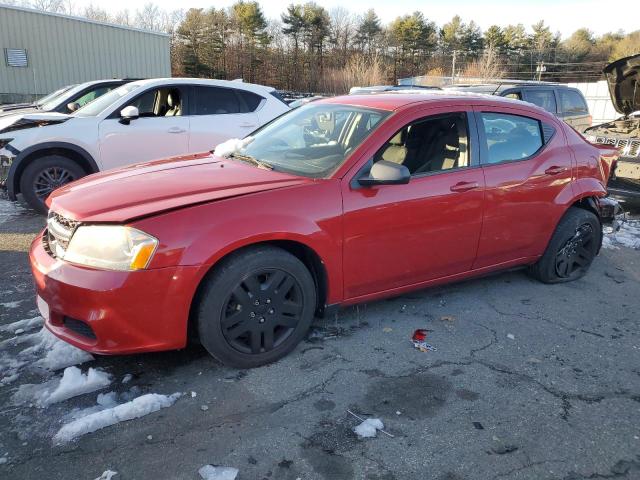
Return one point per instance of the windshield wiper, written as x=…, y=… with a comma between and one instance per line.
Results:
x=250, y=159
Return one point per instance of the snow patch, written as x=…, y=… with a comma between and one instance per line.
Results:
x=15, y=304
x=210, y=472
x=627, y=236
x=231, y=146
x=58, y=355
x=369, y=427
x=24, y=325
x=127, y=378
x=136, y=408
x=107, y=475
x=72, y=384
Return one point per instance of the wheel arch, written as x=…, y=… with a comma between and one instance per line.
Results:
x=27, y=156
x=303, y=252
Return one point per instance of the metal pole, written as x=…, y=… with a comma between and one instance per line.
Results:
x=453, y=68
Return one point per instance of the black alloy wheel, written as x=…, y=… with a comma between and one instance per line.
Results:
x=572, y=248
x=262, y=311
x=576, y=253
x=255, y=306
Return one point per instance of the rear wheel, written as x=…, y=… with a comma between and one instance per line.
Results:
x=256, y=307
x=43, y=175
x=572, y=248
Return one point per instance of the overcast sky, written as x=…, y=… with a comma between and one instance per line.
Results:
x=564, y=16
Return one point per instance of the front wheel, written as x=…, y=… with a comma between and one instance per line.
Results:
x=43, y=175
x=256, y=307
x=572, y=248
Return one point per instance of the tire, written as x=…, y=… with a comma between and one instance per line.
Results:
x=45, y=174
x=256, y=307
x=572, y=248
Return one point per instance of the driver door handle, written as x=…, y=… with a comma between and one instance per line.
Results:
x=247, y=125
x=176, y=130
x=464, y=186
x=555, y=170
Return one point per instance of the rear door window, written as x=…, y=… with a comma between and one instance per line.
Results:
x=572, y=103
x=510, y=138
x=543, y=98
x=215, y=101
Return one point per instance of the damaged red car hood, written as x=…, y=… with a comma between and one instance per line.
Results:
x=149, y=188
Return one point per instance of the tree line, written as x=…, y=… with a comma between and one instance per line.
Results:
x=310, y=48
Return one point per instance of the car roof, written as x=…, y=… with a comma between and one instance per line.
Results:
x=401, y=99
x=205, y=81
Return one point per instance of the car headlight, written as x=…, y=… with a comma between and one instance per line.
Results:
x=4, y=142
x=111, y=247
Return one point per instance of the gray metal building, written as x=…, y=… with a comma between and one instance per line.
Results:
x=42, y=52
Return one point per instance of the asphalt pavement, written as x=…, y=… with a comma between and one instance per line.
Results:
x=528, y=381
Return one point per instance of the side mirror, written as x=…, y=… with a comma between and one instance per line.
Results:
x=128, y=113
x=73, y=106
x=386, y=173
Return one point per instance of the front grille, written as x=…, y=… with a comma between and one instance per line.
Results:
x=79, y=327
x=629, y=147
x=58, y=234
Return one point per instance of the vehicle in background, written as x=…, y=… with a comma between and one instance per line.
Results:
x=137, y=122
x=67, y=99
x=566, y=103
x=349, y=199
x=17, y=106
x=303, y=101
x=388, y=88
x=624, y=133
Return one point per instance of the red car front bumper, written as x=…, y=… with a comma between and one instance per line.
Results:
x=109, y=312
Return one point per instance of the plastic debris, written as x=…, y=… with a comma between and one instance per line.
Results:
x=364, y=429
x=419, y=341
x=447, y=318
x=369, y=427
x=211, y=472
x=204, y=408
x=194, y=394
x=511, y=336
x=387, y=329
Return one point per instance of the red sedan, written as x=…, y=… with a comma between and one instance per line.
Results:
x=344, y=200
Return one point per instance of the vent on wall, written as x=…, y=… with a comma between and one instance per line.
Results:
x=16, y=57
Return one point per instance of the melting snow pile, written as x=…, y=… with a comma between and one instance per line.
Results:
x=24, y=325
x=136, y=408
x=369, y=427
x=72, y=384
x=231, y=146
x=58, y=355
x=627, y=236
x=210, y=472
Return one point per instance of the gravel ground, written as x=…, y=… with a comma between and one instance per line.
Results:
x=529, y=381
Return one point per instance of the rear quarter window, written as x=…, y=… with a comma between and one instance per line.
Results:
x=508, y=138
x=572, y=102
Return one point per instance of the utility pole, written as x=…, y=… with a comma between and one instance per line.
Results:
x=453, y=67
x=540, y=69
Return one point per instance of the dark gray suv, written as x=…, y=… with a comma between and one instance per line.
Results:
x=564, y=102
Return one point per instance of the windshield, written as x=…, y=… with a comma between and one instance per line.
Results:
x=105, y=101
x=313, y=140
x=62, y=98
x=53, y=95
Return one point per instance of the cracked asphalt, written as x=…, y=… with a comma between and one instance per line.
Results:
x=529, y=381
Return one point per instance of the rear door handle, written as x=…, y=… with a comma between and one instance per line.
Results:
x=464, y=186
x=176, y=130
x=247, y=125
x=555, y=170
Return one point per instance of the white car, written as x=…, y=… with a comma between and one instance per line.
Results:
x=137, y=122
